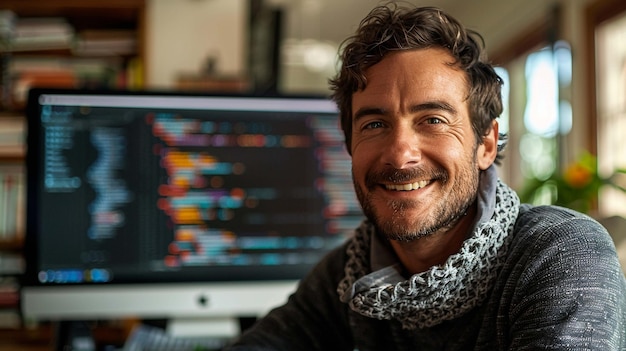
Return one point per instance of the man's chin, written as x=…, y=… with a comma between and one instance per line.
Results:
x=403, y=230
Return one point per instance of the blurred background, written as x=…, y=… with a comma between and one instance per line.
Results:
x=563, y=63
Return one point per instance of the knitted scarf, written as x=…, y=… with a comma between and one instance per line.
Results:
x=443, y=292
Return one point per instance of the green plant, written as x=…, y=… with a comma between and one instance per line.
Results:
x=577, y=187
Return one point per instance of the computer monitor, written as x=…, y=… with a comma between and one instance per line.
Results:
x=162, y=205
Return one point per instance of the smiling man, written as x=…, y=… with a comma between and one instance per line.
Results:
x=415, y=159
x=448, y=258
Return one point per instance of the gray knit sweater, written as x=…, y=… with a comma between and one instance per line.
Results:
x=557, y=286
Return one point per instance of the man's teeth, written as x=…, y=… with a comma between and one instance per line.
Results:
x=407, y=187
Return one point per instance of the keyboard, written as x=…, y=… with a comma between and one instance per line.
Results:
x=150, y=338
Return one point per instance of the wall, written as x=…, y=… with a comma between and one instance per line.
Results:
x=182, y=34
x=573, y=31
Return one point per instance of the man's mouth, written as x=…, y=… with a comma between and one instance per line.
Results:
x=408, y=186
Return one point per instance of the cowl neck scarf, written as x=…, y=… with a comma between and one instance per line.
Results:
x=443, y=292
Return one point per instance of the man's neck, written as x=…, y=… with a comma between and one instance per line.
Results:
x=420, y=255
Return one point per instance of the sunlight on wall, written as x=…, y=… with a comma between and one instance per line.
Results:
x=611, y=77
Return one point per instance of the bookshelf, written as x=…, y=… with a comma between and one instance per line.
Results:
x=70, y=43
x=53, y=43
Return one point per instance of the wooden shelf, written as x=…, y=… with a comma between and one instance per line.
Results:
x=26, y=339
x=81, y=14
x=106, y=13
x=12, y=156
x=11, y=245
x=41, y=338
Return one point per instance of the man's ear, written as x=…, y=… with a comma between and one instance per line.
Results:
x=488, y=150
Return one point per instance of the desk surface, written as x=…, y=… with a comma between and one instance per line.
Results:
x=38, y=339
x=41, y=338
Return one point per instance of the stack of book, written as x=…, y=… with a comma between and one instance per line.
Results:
x=12, y=136
x=106, y=43
x=42, y=33
x=9, y=299
x=50, y=52
x=7, y=26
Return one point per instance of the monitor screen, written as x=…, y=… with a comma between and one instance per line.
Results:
x=169, y=205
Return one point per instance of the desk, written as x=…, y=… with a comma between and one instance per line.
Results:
x=41, y=338
x=38, y=339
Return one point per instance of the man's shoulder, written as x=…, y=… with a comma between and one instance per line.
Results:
x=550, y=225
x=549, y=241
x=550, y=217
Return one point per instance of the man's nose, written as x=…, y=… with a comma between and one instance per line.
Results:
x=402, y=150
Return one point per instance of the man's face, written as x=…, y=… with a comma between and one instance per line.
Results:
x=415, y=159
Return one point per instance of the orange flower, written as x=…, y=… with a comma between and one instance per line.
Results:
x=577, y=175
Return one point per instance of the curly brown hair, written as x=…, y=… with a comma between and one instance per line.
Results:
x=392, y=27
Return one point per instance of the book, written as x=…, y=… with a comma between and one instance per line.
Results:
x=106, y=43
x=9, y=293
x=10, y=319
x=11, y=202
x=11, y=263
x=41, y=34
x=12, y=136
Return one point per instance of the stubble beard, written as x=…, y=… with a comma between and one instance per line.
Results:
x=444, y=214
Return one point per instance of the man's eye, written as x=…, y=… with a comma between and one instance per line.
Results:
x=373, y=125
x=434, y=120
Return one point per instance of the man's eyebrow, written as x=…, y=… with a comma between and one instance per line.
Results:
x=367, y=111
x=436, y=105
